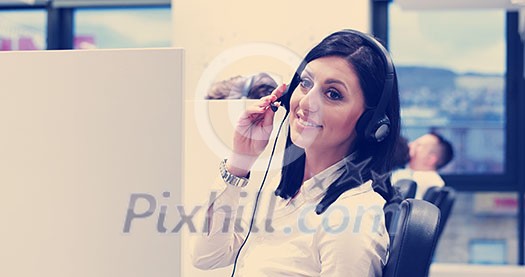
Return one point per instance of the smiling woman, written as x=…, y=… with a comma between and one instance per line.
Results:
x=334, y=164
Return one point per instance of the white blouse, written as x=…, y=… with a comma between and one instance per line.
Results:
x=290, y=239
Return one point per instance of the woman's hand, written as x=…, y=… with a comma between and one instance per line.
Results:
x=252, y=133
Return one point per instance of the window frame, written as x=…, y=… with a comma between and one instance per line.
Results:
x=513, y=178
x=61, y=13
x=508, y=180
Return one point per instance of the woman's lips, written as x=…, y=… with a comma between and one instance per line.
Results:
x=306, y=123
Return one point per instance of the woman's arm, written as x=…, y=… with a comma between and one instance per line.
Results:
x=219, y=243
x=218, y=246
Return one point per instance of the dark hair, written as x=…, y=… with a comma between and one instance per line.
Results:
x=446, y=151
x=376, y=158
x=401, y=153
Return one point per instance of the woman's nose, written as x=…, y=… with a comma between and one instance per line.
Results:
x=311, y=100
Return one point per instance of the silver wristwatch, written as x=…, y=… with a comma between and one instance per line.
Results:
x=231, y=179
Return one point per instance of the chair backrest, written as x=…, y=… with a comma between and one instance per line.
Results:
x=413, y=234
x=406, y=187
x=443, y=198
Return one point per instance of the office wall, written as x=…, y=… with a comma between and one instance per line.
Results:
x=206, y=29
x=237, y=37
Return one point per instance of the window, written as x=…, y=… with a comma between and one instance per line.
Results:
x=79, y=24
x=461, y=73
x=122, y=28
x=451, y=69
x=22, y=30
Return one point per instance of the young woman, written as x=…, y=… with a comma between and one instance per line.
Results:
x=325, y=210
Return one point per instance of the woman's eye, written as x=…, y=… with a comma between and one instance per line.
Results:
x=306, y=83
x=334, y=94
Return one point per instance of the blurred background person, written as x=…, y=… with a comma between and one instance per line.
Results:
x=428, y=154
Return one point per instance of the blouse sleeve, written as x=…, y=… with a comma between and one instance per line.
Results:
x=353, y=243
x=219, y=243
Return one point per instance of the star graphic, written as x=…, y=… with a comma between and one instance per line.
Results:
x=318, y=184
x=354, y=172
x=380, y=181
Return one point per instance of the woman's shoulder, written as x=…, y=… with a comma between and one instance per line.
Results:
x=363, y=195
x=361, y=204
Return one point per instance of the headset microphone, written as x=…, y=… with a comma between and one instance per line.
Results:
x=373, y=124
x=274, y=106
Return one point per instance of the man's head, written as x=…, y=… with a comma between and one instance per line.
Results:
x=430, y=152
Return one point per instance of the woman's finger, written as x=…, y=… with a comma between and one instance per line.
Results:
x=266, y=101
x=279, y=91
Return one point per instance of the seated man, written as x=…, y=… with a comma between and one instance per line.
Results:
x=428, y=154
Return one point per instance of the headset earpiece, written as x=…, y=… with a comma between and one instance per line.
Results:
x=382, y=130
x=373, y=130
x=374, y=124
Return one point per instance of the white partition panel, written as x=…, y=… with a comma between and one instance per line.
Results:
x=91, y=162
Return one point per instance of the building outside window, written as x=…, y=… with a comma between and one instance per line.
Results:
x=451, y=66
x=23, y=30
x=122, y=28
x=130, y=27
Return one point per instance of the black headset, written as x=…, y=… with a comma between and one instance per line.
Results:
x=374, y=124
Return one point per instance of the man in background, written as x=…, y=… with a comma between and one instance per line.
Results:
x=428, y=154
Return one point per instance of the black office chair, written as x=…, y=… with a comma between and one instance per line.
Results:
x=406, y=187
x=443, y=198
x=413, y=234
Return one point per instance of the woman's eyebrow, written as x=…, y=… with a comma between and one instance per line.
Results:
x=328, y=81
x=336, y=81
x=307, y=72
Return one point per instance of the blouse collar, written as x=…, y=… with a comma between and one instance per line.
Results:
x=316, y=186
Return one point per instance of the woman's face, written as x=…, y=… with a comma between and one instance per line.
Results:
x=325, y=107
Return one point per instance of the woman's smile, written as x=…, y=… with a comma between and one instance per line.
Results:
x=326, y=105
x=306, y=123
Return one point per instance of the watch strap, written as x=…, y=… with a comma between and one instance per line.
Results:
x=231, y=179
